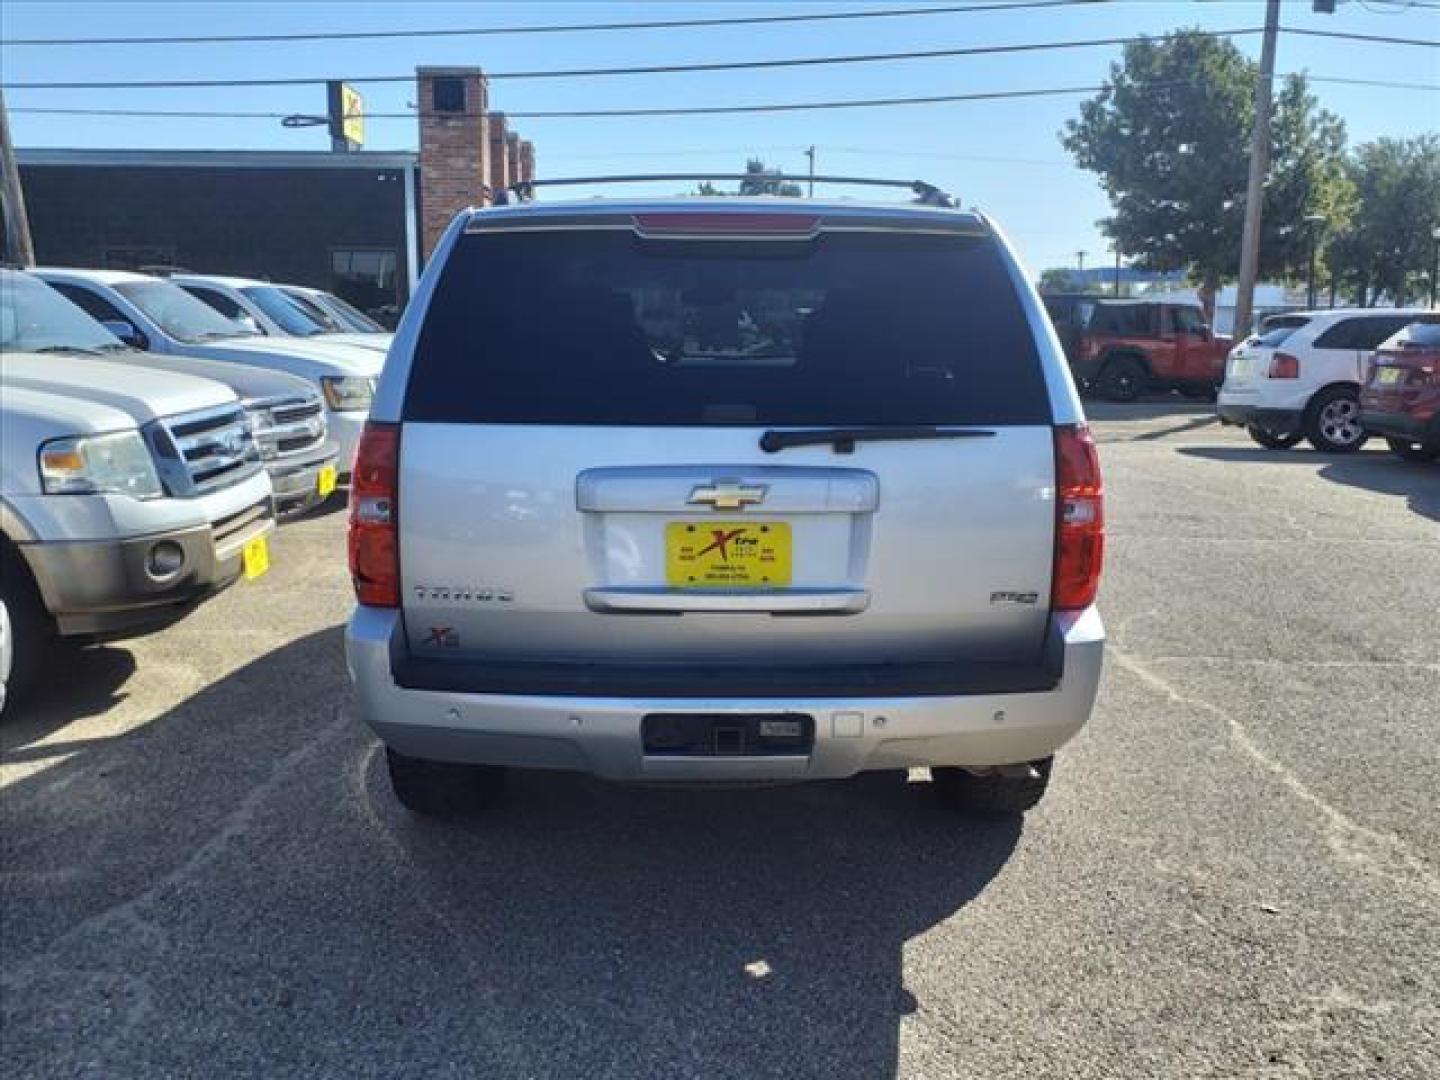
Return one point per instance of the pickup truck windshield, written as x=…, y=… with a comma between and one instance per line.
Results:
x=34, y=318
x=291, y=317
x=178, y=313
x=601, y=327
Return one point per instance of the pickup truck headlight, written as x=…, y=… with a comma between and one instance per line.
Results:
x=86, y=464
x=348, y=393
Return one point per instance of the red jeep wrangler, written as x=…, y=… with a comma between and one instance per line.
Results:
x=1119, y=349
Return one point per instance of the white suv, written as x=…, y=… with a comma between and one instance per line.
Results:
x=1301, y=377
x=725, y=490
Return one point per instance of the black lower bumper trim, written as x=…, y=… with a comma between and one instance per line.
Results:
x=935, y=678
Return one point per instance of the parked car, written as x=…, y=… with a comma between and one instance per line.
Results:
x=752, y=491
x=1401, y=399
x=1120, y=349
x=1303, y=382
x=341, y=314
x=272, y=310
x=285, y=413
x=158, y=316
x=127, y=496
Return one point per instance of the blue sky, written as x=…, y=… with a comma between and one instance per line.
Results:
x=1002, y=156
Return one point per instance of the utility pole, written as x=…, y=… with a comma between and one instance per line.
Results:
x=1259, y=167
x=1117, y=271
x=1080, y=260
x=17, y=248
x=811, y=155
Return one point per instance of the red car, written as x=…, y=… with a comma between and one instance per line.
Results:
x=1401, y=399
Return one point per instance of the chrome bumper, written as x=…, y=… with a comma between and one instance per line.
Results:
x=296, y=479
x=602, y=736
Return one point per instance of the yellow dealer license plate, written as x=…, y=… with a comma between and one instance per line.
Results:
x=727, y=554
x=1389, y=376
x=325, y=481
x=255, y=556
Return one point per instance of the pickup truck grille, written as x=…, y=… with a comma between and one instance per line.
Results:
x=287, y=426
x=205, y=451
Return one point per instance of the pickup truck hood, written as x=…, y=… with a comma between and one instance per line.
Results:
x=249, y=383
x=372, y=342
x=142, y=394
x=32, y=416
x=306, y=357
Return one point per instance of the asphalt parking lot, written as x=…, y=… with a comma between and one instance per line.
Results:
x=1236, y=873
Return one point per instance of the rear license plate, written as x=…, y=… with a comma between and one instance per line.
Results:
x=1389, y=376
x=255, y=557
x=727, y=554
x=325, y=481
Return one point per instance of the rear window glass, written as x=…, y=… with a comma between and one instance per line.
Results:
x=1361, y=333
x=597, y=327
x=1277, y=335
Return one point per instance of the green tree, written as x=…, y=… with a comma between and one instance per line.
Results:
x=1056, y=279
x=1388, y=247
x=760, y=179
x=1169, y=137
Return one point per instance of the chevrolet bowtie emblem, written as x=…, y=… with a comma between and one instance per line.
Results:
x=727, y=495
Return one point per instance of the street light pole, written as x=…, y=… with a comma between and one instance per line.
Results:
x=1312, y=226
x=1259, y=166
x=1435, y=267
x=811, y=155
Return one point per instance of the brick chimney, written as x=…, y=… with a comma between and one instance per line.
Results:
x=454, y=146
x=501, y=166
x=527, y=160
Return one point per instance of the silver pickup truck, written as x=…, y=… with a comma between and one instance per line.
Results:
x=286, y=414
x=127, y=496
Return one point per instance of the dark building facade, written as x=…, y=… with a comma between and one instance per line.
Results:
x=359, y=224
x=337, y=221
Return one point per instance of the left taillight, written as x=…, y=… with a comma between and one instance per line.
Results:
x=1080, y=520
x=374, y=516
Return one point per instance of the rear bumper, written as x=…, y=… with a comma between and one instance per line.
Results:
x=601, y=734
x=1400, y=426
x=1243, y=415
x=108, y=589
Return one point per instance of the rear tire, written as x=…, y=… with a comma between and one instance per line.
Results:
x=1413, y=451
x=1332, y=423
x=992, y=795
x=443, y=789
x=29, y=631
x=1271, y=440
x=1122, y=380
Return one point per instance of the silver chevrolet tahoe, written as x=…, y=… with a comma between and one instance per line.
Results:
x=126, y=497
x=725, y=490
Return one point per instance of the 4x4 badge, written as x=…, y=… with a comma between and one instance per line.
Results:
x=727, y=495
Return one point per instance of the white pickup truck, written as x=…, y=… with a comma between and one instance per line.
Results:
x=127, y=496
x=159, y=316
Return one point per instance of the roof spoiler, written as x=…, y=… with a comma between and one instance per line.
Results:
x=926, y=194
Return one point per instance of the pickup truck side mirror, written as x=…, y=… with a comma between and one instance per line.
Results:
x=126, y=332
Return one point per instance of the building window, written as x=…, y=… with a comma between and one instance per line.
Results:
x=366, y=277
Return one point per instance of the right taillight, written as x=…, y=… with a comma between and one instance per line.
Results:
x=1284, y=366
x=374, y=550
x=1080, y=520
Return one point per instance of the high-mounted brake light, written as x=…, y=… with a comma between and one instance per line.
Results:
x=1284, y=366
x=1080, y=520
x=374, y=521
x=725, y=224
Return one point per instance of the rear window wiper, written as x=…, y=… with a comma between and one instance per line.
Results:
x=843, y=439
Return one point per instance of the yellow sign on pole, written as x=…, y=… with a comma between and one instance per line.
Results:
x=347, y=116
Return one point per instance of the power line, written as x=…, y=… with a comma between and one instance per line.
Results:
x=654, y=69
x=689, y=110
x=1378, y=39
x=565, y=28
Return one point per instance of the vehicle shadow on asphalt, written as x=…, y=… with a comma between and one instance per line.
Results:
x=583, y=929
x=1384, y=473
x=1160, y=408
x=73, y=684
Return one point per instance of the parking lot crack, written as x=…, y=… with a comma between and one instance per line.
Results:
x=1348, y=839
